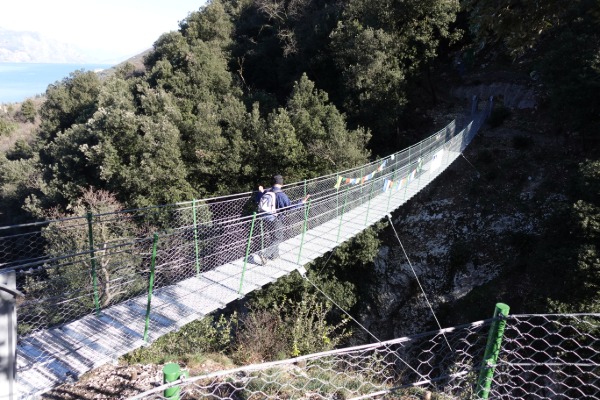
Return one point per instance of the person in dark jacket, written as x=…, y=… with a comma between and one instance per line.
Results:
x=273, y=222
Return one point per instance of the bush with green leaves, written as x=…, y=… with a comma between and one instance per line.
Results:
x=28, y=111
x=288, y=329
x=6, y=126
x=210, y=334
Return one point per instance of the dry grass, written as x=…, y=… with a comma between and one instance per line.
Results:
x=25, y=131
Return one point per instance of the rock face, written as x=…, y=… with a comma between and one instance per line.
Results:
x=31, y=47
x=465, y=229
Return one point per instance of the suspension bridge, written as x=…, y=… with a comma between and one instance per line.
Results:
x=91, y=289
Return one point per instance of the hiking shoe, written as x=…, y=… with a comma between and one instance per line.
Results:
x=263, y=259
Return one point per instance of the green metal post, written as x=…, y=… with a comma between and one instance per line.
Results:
x=247, y=251
x=337, y=197
x=93, y=262
x=391, y=191
x=171, y=373
x=305, y=188
x=150, y=284
x=262, y=236
x=492, y=350
x=361, y=179
x=342, y=216
x=418, y=168
x=369, y=202
x=407, y=175
x=196, y=237
x=303, y=230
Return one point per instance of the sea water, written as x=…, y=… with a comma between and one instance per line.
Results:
x=20, y=81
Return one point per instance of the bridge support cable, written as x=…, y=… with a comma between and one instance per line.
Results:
x=417, y=278
x=358, y=323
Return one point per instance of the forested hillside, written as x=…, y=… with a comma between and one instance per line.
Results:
x=248, y=88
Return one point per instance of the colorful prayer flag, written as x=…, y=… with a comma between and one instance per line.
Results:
x=386, y=184
x=339, y=182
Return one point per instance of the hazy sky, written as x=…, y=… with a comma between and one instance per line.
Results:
x=109, y=29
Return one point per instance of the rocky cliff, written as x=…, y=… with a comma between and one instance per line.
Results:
x=471, y=225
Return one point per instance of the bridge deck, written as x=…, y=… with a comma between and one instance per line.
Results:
x=85, y=344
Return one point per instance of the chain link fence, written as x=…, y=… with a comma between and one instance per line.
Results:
x=541, y=357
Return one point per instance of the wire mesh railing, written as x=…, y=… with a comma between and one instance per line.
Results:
x=541, y=357
x=72, y=267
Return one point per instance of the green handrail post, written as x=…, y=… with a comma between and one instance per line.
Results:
x=361, y=179
x=391, y=190
x=93, y=261
x=342, y=216
x=305, y=188
x=247, y=252
x=337, y=197
x=196, y=237
x=150, y=284
x=171, y=373
x=418, y=168
x=369, y=202
x=303, y=230
x=492, y=349
x=262, y=236
x=407, y=175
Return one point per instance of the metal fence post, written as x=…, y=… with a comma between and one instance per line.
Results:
x=343, y=211
x=171, y=373
x=8, y=327
x=369, y=202
x=150, y=285
x=303, y=230
x=93, y=261
x=492, y=349
x=247, y=251
x=196, y=237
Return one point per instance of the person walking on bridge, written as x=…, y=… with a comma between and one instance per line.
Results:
x=269, y=202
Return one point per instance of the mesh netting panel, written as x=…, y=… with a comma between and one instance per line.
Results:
x=549, y=357
x=441, y=362
x=541, y=357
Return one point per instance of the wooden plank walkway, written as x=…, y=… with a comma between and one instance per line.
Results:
x=80, y=346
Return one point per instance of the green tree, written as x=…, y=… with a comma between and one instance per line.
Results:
x=191, y=65
x=116, y=259
x=280, y=149
x=329, y=145
x=28, y=111
x=71, y=101
x=117, y=149
x=19, y=178
x=516, y=25
x=377, y=47
x=7, y=127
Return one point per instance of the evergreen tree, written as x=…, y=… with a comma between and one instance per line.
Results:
x=377, y=47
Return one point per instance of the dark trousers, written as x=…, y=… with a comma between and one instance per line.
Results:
x=272, y=236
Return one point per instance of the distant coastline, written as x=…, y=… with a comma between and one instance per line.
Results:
x=20, y=81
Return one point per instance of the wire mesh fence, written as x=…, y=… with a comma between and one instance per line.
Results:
x=72, y=267
x=542, y=357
